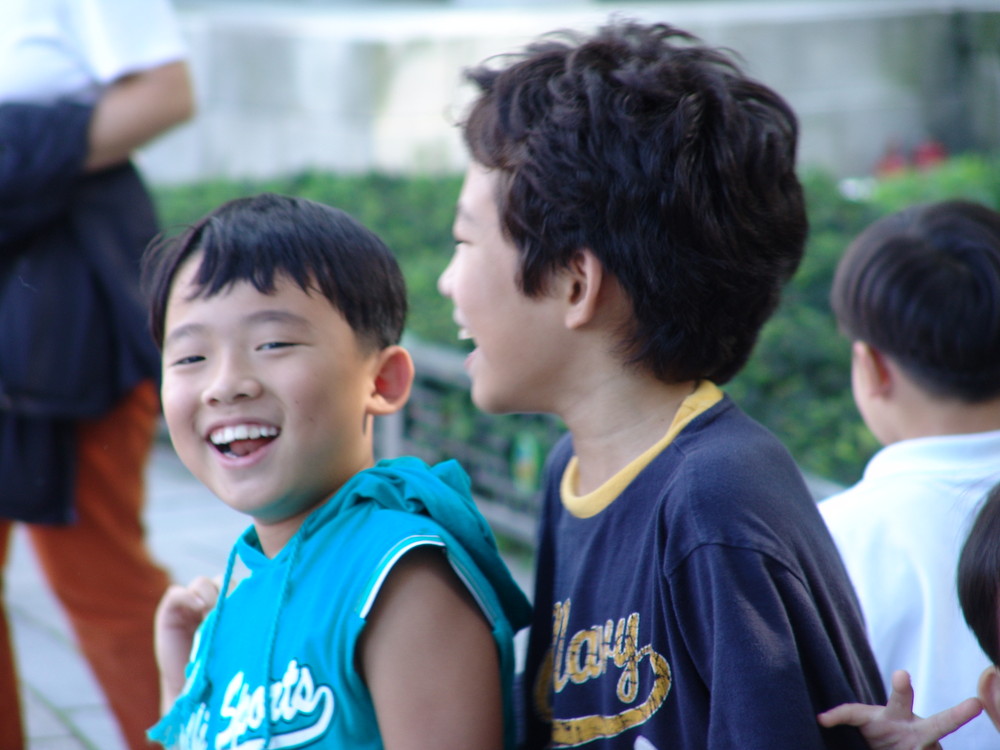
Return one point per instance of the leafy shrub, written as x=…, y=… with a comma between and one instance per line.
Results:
x=970, y=176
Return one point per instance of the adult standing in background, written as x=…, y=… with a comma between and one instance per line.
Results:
x=83, y=83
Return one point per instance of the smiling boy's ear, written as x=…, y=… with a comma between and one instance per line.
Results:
x=393, y=380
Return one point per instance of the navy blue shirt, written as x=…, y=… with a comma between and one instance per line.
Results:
x=705, y=607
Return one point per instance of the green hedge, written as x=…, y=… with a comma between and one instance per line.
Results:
x=798, y=380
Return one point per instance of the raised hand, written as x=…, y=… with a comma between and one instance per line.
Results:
x=182, y=609
x=894, y=726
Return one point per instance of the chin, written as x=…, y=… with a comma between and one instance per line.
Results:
x=484, y=404
x=493, y=403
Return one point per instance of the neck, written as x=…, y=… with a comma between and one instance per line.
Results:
x=934, y=417
x=274, y=536
x=616, y=423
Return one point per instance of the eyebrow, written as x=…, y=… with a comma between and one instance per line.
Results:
x=261, y=317
x=276, y=316
x=188, y=330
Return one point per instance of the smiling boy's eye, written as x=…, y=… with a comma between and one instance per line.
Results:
x=189, y=360
x=275, y=345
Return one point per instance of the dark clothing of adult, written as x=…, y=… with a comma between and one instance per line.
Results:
x=73, y=336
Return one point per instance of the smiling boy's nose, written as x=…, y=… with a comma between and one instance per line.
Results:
x=232, y=381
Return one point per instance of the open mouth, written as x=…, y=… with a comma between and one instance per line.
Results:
x=241, y=440
x=465, y=337
x=463, y=332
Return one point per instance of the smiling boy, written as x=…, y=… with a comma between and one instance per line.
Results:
x=623, y=232
x=376, y=612
x=301, y=448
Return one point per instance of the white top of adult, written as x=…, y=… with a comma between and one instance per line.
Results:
x=900, y=531
x=58, y=48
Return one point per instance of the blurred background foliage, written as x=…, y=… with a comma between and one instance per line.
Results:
x=798, y=380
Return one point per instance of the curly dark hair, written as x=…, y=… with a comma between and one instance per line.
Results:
x=660, y=156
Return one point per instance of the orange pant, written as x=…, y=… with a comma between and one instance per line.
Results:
x=101, y=571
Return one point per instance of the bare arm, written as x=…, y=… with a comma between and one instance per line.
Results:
x=135, y=109
x=895, y=726
x=182, y=609
x=430, y=662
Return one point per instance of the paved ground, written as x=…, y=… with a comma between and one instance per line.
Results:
x=190, y=533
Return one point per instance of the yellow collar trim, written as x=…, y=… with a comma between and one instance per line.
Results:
x=706, y=395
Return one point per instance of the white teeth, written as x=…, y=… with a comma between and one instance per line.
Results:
x=226, y=435
x=463, y=334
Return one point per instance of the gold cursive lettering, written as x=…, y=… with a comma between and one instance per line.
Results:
x=585, y=656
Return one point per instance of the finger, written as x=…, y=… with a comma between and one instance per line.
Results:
x=174, y=595
x=901, y=699
x=171, y=591
x=184, y=601
x=206, y=589
x=947, y=721
x=852, y=714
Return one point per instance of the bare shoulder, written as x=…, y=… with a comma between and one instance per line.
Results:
x=428, y=657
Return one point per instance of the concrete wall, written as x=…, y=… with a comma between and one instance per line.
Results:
x=284, y=87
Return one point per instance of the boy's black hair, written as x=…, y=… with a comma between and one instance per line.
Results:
x=261, y=238
x=923, y=286
x=979, y=576
x=662, y=158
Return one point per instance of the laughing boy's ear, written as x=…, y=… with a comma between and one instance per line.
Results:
x=392, y=383
x=582, y=279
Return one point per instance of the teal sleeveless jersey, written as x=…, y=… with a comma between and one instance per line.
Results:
x=273, y=665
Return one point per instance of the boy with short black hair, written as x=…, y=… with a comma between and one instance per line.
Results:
x=629, y=218
x=377, y=611
x=979, y=586
x=918, y=294
x=895, y=726
x=979, y=595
